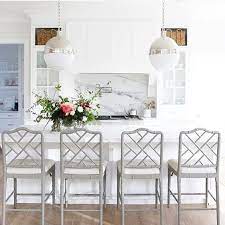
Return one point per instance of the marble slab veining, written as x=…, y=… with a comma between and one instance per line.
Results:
x=127, y=91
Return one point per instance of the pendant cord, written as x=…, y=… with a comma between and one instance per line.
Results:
x=59, y=16
x=163, y=15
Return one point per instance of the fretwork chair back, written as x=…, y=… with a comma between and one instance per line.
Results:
x=24, y=158
x=81, y=157
x=198, y=157
x=141, y=158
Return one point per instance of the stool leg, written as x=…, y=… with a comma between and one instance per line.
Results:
x=15, y=192
x=53, y=185
x=206, y=192
x=4, y=201
x=104, y=189
x=118, y=189
x=156, y=193
x=66, y=200
x=122, y=201
x=100, y=201
x=217, y=201
x=43, y=198
x=169, y=186
x=161, y=201
x=62, y=201
x=179, y=199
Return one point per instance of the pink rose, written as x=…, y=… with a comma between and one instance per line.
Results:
x=67, y=108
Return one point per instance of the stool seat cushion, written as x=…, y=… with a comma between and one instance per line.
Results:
x=138, y=170
x=28, y=166
x=83, y=170
x=173, y=164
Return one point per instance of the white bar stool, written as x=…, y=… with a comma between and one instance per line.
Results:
x=24, y=158
x=81, y=157
x=198, y=157
x=141, y=158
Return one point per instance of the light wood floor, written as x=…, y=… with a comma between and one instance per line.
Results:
x=112, y=215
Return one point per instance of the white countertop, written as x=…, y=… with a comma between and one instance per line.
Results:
x=112, y=129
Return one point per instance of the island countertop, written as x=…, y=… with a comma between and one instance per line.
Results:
x=112, y=129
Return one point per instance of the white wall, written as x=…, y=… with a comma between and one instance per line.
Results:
x=207, y=53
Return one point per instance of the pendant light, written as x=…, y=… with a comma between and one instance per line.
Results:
x=58, y=53
x=164, y=53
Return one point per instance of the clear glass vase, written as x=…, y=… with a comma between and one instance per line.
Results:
x=56, y=126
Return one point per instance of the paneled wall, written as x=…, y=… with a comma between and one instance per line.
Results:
x=109, y=46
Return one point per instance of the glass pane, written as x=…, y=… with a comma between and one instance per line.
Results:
x=42, y=91
x=40, y=60
x=10, y=69
x=167, y=98
x=52, y=93
x=53, y=78
x=181, y=62
x=42, y=77
x=180, y=78
x=180, y=96
x=168, y=79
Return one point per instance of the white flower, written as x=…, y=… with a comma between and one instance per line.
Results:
x=84, y=119
x=80, y=109
x=72, y=113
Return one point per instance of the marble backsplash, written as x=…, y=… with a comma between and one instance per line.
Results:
x=119, y=92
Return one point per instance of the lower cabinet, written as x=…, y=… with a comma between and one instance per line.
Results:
x=7, y=124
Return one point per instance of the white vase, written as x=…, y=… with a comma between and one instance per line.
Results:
x=147, y=113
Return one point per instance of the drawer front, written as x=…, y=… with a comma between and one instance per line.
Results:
x=7, y=124
x=9, y=115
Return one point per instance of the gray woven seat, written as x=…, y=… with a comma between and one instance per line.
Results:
x=193, y=172
x=144, y=170
x=88, y=169
x=19, y=167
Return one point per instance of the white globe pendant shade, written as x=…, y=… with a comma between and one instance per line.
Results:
x=58, y=53
x=164, y=53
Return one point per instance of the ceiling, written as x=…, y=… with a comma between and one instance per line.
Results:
x=23, y=10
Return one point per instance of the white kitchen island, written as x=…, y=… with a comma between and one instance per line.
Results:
x=111, y=131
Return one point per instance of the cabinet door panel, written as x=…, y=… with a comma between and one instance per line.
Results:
x=92, y=43
x=99, y=57
x=78, y=36
x=113, y=47
x=122, y=51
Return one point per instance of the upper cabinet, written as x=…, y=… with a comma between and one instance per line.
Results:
x=11, y=85
x=45, y=79
x=112, y=47
x=173, y=89
x=173, y=84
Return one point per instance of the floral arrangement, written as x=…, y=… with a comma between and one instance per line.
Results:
x=65, y=111
x=150, y=104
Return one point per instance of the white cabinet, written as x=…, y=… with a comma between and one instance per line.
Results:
x=44, y=79
x=173, y=88
x=11, y=85
x=111, y=47
x=173, y=84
